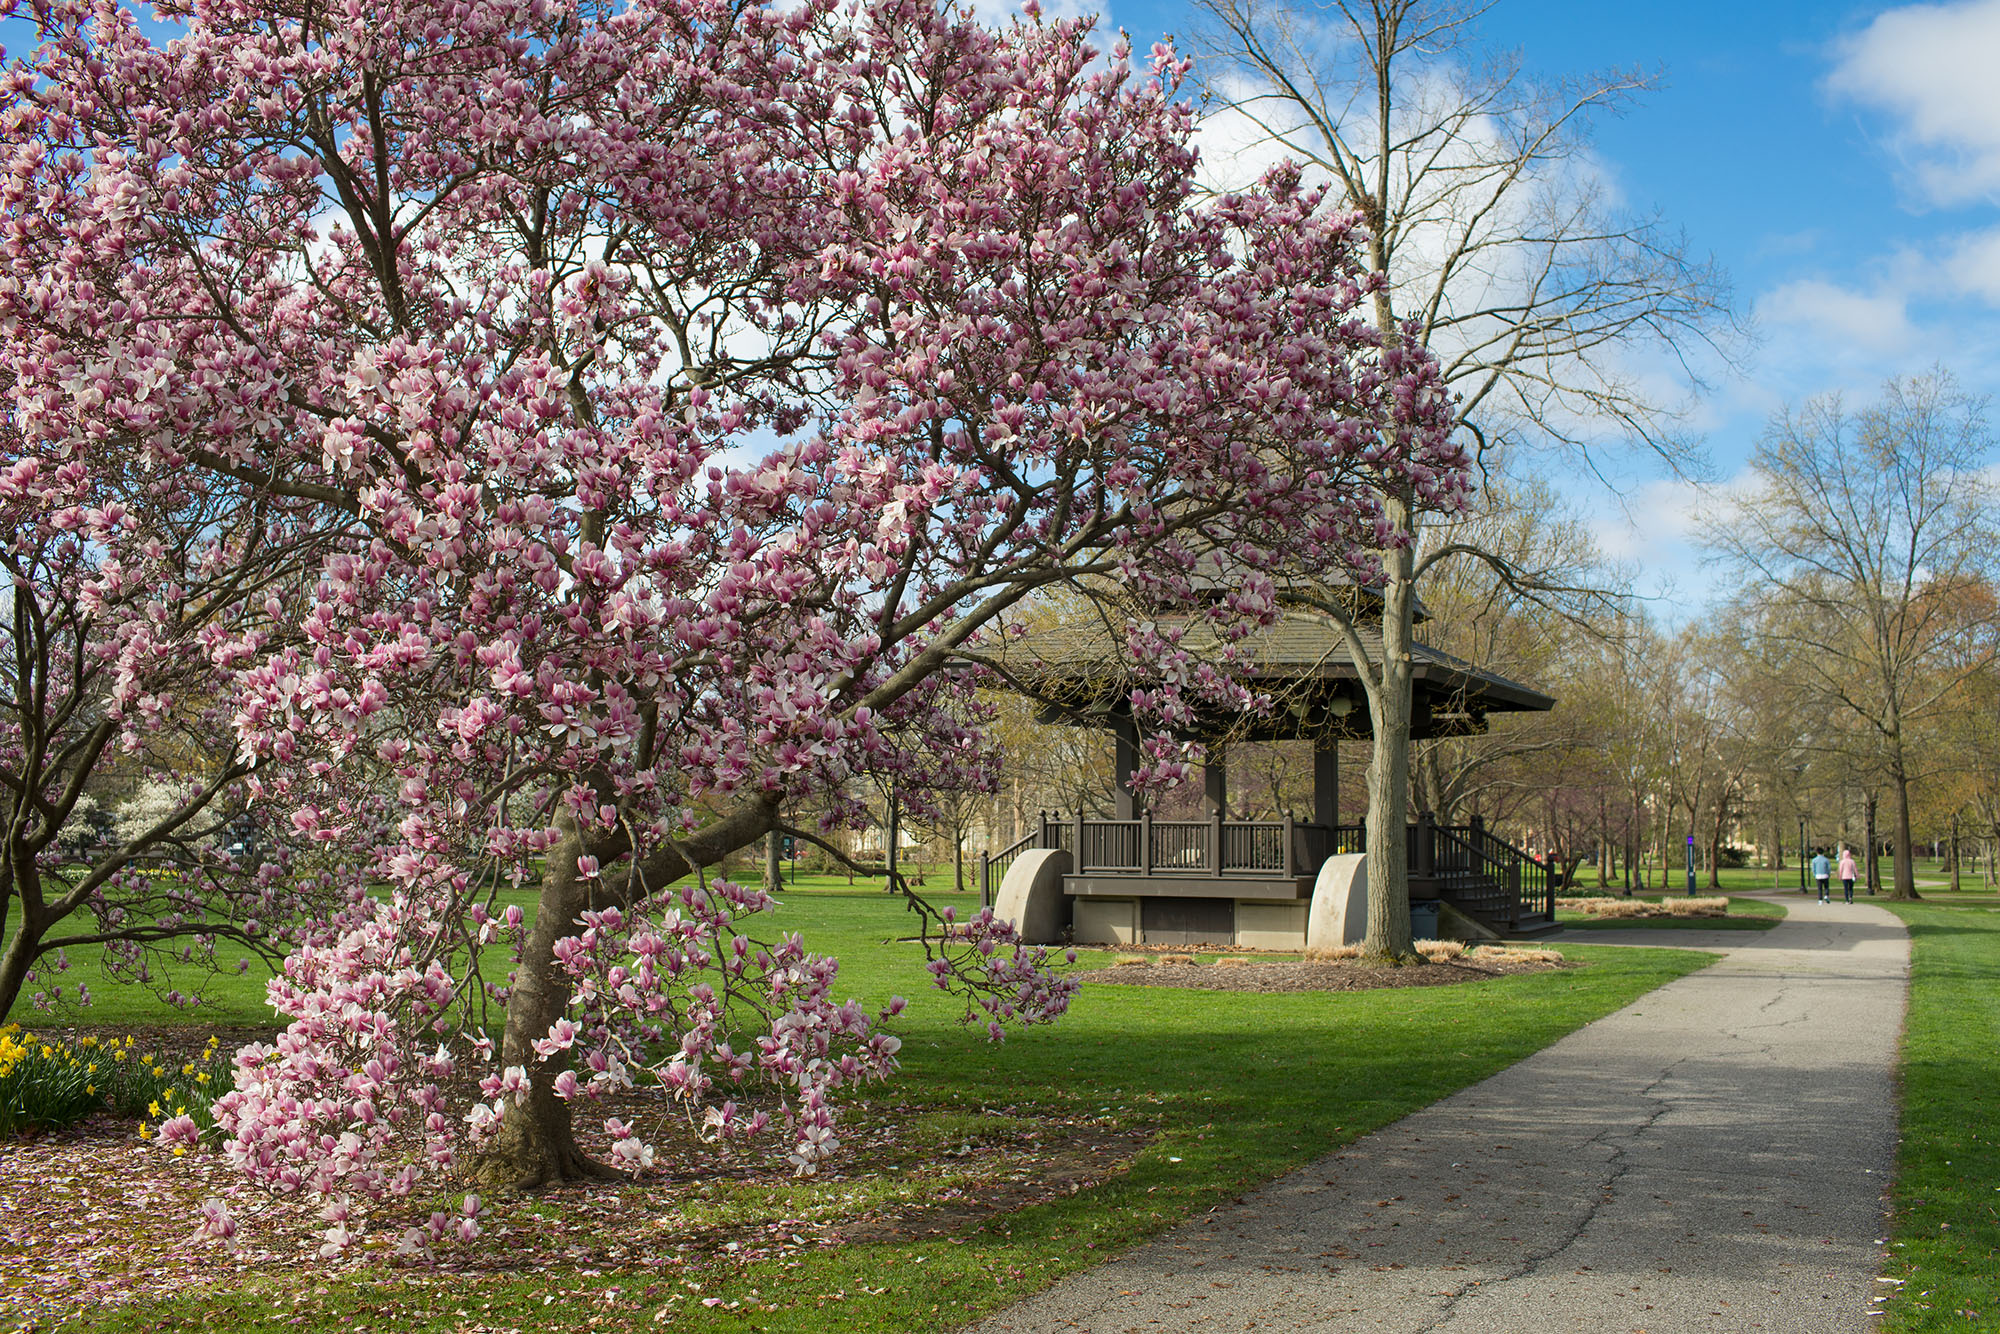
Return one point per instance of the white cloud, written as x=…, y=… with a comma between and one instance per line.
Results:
x=1972, y=266
x=1652, y=519
x=1235, y=150
x=1004, y=11
x=1932, y=67
x=1651, y=532
x=1874, y=323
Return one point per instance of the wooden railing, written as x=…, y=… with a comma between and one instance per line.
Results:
x=1468, y=865
x=1145, y=846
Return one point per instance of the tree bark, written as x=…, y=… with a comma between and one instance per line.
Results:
x=1905, y=888
x=1874, y=868
x=1954, y=853
x=535, y=1144
x=19, y=959
x=1389, y=706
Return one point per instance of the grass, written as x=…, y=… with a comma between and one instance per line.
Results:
x=1945, y=1237
x=1233, y=1089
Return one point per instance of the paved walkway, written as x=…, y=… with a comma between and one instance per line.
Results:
x=1712, y=1157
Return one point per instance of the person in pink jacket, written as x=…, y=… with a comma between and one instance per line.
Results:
x=1846, y=870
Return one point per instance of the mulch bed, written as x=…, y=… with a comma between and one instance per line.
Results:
x=1298, y=975
x=97, y=1217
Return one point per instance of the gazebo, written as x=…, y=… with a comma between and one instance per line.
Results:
x=1137, y=879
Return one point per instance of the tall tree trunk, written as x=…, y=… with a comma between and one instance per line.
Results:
x=1905, y=887
x=774, y=862
x=1603, y=842
x=1874, y=867
x=1955, y=886
x=1388, y=934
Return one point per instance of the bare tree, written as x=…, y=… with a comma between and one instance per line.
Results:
x=1529, y=628
x=1497, y=243
x=1867, y=543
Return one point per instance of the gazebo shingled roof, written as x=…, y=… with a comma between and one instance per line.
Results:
x=1301, y=661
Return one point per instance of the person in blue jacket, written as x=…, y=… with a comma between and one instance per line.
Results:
x=1822, y=869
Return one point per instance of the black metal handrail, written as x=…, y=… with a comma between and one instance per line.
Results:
x=1479, y=867
x=993, y=869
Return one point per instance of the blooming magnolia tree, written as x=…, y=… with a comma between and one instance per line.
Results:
x=677, y=388
x=121, y=577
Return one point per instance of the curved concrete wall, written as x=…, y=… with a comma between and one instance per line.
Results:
x=1031, y=896
x=1339, y=913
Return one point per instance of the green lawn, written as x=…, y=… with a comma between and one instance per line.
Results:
x=1232, y=1088
x=1946, y=1234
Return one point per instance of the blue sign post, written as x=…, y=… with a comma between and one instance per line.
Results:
x=1690, y=865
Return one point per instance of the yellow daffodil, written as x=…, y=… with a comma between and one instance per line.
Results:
x=153, y=1109
x=146, y=1131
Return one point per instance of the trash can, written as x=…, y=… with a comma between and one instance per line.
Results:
x=1424, y=919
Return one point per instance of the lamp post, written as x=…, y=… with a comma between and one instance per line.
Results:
x=1690, y=865
x=1802, y=854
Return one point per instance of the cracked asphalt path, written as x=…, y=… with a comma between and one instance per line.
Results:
x=1710, y=1158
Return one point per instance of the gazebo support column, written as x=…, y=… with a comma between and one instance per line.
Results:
x=1326, y=783
x=1127, y=759
x=1215, y=782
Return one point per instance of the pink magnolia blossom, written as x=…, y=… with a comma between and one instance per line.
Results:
x=649, y=402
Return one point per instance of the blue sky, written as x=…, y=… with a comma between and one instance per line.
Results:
x=1841, y=161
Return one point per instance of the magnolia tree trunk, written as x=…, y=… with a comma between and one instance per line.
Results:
x=1389, y=769
x=535, y=1144
x=18, y=960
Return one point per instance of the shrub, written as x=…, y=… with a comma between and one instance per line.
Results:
x=1334, y=953
x=1439, y=950
x=1516, y=954
x=1713, y=906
